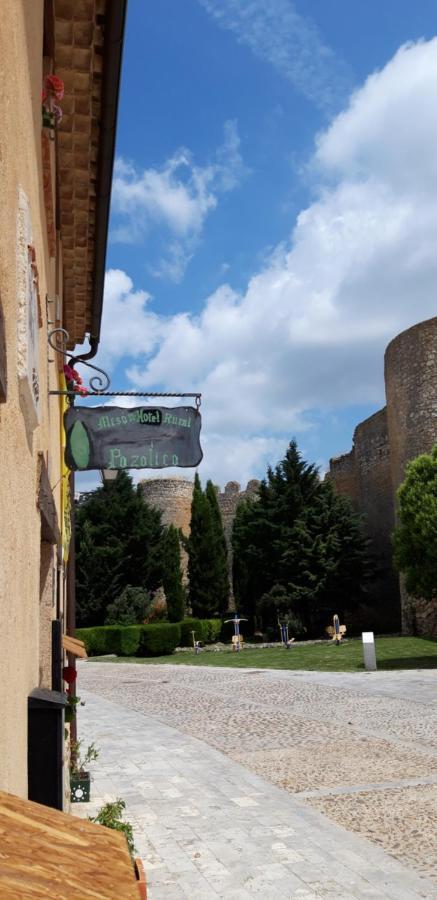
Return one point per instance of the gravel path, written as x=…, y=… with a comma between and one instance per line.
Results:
x=359, y=748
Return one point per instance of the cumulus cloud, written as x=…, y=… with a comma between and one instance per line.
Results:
x=177, y=198
x=276, y=33
x=310, y=330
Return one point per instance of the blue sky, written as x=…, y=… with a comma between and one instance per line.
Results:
x=271, y=214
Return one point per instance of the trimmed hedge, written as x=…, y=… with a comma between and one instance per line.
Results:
x=160, y=639
x=148, y=640
x=189, y=625
x=131, y=640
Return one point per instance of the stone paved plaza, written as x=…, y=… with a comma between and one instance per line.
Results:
x=261, y=783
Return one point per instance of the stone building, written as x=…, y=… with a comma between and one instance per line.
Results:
x=55, y=179
x=382, y=445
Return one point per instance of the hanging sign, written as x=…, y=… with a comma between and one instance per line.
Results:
x=112, y=437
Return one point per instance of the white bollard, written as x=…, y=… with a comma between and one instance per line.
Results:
x=369, y=651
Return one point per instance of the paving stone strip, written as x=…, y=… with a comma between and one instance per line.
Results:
x=174, y=746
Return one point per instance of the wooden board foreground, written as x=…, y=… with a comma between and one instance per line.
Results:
x=48, y=854
x=74, y=646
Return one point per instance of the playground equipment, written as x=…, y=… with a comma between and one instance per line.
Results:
x=336, y=631
x=197, y=645
x=237, y=640
x=285, y=639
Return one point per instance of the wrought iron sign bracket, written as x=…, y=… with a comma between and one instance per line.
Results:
x=58, y=338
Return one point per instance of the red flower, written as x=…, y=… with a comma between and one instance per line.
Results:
x=82, y=391
x=55, y=86
x=69, y=373
x=69, y=674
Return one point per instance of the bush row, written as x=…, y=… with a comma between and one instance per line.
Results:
x=148, y=640
x=131, y=640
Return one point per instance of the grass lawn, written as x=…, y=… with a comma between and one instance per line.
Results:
x=391, y=653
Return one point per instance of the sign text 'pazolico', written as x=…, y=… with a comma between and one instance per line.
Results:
x=111, y=437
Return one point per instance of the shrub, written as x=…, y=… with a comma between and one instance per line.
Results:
x=189, y=625
x=110, y=815
x=159, y=640
x=130, y=608
x=127, y=640
x=213, y=628
x=96, y=639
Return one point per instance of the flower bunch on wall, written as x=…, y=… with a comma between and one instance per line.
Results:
x=53, y=91
x=74, y=381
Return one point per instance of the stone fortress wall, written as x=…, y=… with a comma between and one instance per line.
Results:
x=382, y=445
x=173, y=497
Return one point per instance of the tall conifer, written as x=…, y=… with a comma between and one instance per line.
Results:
x=298, y=540
x=221, y=573
x=172, y=575
x=201, y=556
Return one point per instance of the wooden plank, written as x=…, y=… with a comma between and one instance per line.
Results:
x=48, y=854
x=74, y=646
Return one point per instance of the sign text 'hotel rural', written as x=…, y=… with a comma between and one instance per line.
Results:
x=111, y=437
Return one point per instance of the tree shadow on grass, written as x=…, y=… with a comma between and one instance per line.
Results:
x=417, y=662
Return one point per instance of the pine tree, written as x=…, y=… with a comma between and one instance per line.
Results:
x=172, y=575
x=415, y=538
x=221, y=572
x=298, y=543
x=201, y=556
x=118, y=543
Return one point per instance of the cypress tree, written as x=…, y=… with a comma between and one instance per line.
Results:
x=201, y=556
x=221, y=574
x=172, y=575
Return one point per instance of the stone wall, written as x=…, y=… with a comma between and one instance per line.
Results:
x=173, y=497
x=343, y=474
x=229, y=500
x=411, y=389
x=364, y=476
x=382, y=445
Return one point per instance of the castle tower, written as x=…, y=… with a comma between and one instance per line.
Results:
x=411, y=390
x=172, y=496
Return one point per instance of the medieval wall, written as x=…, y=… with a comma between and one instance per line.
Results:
x=382, y=445
x=173, y=496
x=411, y=389
x=229, y=500
x=364, y=475
x=343, y=474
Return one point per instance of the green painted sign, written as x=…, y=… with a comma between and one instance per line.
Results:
x=111, y=437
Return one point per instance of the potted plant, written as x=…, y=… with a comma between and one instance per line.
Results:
x=79, y=775
x=110, y=815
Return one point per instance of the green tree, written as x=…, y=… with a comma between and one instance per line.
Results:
x=118, y=543
x=415, y=538
x=201, y=556
x=172, y=575
x=130, y=608
x=298, y=544
x=221, y=572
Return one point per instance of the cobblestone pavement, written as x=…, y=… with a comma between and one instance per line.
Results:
x=358, y=749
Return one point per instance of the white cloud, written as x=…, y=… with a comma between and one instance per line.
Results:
x=176, y=198
x=276, y=33
x=310, y=330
